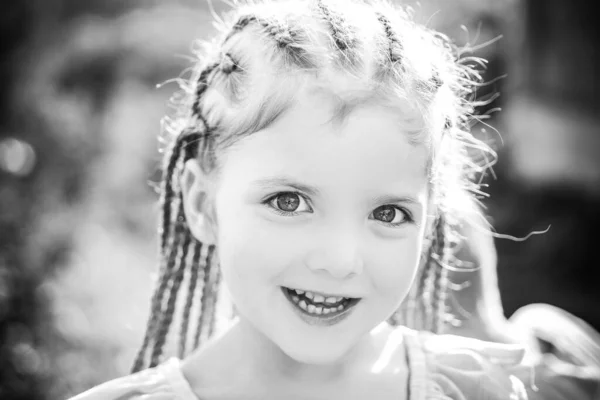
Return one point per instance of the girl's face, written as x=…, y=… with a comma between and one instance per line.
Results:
x=320, y=227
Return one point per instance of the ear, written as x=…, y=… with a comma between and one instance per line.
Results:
x=196, y=189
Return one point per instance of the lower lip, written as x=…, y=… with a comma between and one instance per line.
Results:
x=320, y=320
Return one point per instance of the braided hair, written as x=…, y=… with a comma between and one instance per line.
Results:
x=247, y=78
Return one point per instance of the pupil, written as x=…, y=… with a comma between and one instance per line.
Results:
x=385, y=213
x=288, y=202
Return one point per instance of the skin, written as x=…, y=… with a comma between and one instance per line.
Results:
x=337, y=242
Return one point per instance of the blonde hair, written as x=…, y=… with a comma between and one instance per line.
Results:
x=356, y=52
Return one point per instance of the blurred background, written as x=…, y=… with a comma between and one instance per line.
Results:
x=79, y=118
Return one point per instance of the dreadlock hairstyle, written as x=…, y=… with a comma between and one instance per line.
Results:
x=247, y=77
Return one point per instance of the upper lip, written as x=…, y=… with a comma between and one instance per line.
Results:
x=325, y=293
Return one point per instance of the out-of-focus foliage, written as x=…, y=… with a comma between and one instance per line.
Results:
x=79, y=120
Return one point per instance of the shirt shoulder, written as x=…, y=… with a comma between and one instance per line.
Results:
x=565, y=352
x=449, y=367
x=459, y=368
x=162, y=382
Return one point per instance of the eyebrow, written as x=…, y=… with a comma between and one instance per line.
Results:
x=286, y=181
x=392, y=199
x=266, y=183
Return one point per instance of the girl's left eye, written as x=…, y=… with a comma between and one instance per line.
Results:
x=391, y=215
x=287, y=203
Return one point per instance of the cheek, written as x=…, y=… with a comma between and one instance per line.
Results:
x=393, y=267
x=254, y=250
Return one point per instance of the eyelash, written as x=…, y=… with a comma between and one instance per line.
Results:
x=408, y=218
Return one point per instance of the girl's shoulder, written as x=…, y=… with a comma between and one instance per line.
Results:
x=458, y=368
x=451, y=367
x=162, y=382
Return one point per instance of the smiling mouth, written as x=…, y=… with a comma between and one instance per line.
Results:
x=315, y=307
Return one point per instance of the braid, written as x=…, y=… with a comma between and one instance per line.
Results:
x=243, y=22
x=202, y=280
x=280, y=33
x=419, y=317
x=214, y=292
x=441, y=307
x=395, y=47
x=427, y=289
x=167, y=191
x=205, y=298
x=201, y=86
x=436, y=266
x=395, y=50
x=416, y=308
x=285, y=38
x=228, y=65
x=343, y=35
x=152, y=322
x=190, y=297
x=436, y=81
x=435, y=279
x=179, y=256
x=442, y=284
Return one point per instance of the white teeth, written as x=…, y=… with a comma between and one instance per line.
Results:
x=311, y=308
x=321, y=301
x=317, y=298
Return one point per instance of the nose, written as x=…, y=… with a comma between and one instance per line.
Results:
x=337, y=254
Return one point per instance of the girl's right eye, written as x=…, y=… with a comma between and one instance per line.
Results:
x=287, y=203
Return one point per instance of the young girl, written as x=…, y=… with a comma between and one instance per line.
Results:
x=321, y=165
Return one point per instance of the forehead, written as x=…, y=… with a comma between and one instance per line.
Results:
x=369, y=148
